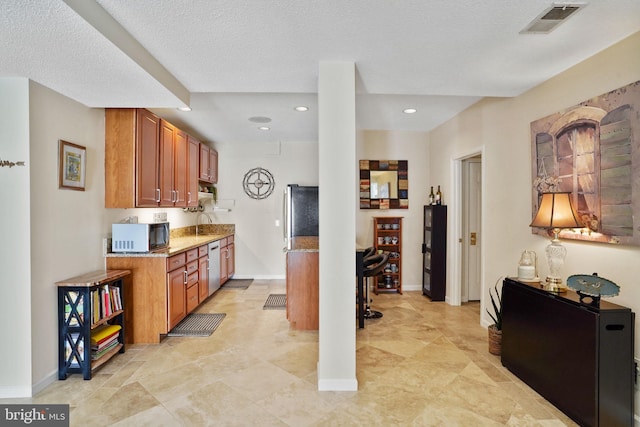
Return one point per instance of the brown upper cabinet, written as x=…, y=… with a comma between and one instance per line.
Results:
x=208, y=164
x=148, y=161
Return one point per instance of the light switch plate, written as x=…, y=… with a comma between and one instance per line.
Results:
x=160, y=217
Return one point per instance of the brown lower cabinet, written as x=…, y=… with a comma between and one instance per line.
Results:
x=227, y=259
x=303, y=289
x=165, y=290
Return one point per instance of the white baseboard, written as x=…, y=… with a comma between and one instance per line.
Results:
x=337, y=385
x=45, y=382
x=15, y=392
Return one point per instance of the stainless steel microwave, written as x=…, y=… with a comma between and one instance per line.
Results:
x=139, y=237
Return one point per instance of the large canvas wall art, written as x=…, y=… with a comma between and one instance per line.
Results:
x=592, y=150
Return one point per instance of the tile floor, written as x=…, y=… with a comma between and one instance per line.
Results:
x=422, y=364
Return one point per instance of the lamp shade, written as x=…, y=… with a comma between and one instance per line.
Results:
x=556, y=211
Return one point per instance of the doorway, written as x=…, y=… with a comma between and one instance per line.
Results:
x=471, y=233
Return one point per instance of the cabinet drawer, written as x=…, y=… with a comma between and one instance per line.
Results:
x=202, y=251
x=192, y=279
x=176, y=261
x=230, y=239
x=192, y=255
x=223, y=242
x=192, y=266
x=192, y=298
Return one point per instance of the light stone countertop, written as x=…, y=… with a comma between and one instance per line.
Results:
x=304, y=244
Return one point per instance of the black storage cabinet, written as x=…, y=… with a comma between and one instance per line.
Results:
x=434, y=252
x=576, y=355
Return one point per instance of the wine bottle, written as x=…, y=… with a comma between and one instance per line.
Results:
x=438, y=196
x=432, y=197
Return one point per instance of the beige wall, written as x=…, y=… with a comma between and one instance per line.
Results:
x=66, y=225
x=414, y=147
x=501, y=126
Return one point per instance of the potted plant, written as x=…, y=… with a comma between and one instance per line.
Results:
x=495, y=330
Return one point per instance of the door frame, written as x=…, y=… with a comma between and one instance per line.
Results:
x=454, y=270
x=465, y=289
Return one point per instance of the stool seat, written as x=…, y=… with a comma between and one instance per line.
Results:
x=372, y=266
x=368, y=252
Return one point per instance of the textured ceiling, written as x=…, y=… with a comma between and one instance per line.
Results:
x=234, y=59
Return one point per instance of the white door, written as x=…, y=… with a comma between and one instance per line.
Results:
x=471, y=233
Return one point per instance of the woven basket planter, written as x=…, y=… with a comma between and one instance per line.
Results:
x=495, y=340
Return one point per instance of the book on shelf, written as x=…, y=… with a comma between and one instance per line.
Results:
x=95, y=305
x=107, y=310
x=116, y=301
x=103, y=332
x=73, y=308
x=99, y=353
x=106, y=342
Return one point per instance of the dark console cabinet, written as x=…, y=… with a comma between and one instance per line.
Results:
x=577, y=356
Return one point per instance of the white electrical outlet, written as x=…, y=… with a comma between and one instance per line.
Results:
x=160, y=217
x=106, y=246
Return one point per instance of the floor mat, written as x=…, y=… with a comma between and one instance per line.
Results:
x=237, y=284
x=275, y=302
x=197, y=325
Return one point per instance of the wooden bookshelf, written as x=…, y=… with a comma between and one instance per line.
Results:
x=87, y=304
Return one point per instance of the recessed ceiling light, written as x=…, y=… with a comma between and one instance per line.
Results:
x=301, y=108
x=184, y=108
x=409, y=110
x=259, y=119
x=264, y=128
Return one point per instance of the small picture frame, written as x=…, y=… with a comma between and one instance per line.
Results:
x=72, y=166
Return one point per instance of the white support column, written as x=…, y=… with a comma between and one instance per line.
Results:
x=337, y=172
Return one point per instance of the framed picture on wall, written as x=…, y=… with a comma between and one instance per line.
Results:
x=72, y=166
x=592, y=150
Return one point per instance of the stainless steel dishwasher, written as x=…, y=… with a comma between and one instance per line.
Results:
x=214, y=267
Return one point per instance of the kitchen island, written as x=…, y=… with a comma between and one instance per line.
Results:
x=166, y=284
x=303, y=283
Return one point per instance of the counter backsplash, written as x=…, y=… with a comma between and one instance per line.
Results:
x=204, y=229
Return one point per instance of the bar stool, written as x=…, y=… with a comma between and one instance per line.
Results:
x=366, y=253
x=373, y=265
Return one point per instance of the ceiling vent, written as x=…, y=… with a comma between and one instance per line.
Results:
x=553, y=16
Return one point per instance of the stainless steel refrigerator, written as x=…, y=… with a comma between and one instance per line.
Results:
x=300, y=212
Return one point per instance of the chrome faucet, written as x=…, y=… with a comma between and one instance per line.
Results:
x=198, y=221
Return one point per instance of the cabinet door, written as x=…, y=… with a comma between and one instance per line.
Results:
x=192, y=292
x=147, y=152
x=180, y=168
x=224, y=275
x=193, y=170
x=204, y=162
x=177, y=296
x=231, y=259
x=165, y=177
x=213, y=166
x=203, y=280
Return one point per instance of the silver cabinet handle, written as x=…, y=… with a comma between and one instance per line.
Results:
x=185, y=277
x=188, y=197
x=158, y=193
